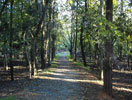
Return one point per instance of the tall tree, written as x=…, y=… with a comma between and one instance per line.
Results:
x=49, y=31
x=108, y=51
x=81, y=36
x=11, y=39
x=101, y=45
x=76, y=30
x=44, y=37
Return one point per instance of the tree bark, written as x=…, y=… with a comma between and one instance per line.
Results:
x=101, y=48
x=76, y=32
x=108, y=52
x=11, y=40
x=49, y=34
x=43, y=39
x=81, y=44
x=33, y=50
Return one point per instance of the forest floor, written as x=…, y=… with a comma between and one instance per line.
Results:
x=65, y=82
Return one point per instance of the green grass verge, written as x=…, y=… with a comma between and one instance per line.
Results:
x=54, y=64
x=77, y=63
x=48, y=70
x=57, y=56
x=9, y=98
x=80, y=64
x=68, y=57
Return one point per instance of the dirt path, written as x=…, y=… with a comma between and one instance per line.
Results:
x=64, y=83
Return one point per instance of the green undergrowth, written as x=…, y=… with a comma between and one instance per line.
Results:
x=57, y=56
x=54, y=64
x=9, y=98
x=80, y=64
x=48, y=70
x=68, y=57
x=77, y=63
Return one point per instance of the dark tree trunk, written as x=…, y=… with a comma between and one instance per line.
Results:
x=33, y=54
x=43, y=39
x=108, y=52
x=49, y=34
x=81, y=44
x=76, y=32
x=71, y=40
x=33, y=49
x=53, y=47
x=53, y=35
x=81, y=37
x=128, y=56
x=11, y=40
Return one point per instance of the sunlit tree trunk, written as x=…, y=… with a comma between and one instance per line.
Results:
x=101, y=48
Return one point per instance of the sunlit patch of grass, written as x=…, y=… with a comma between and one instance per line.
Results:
x=57, y=56
x=68, y=57
x=48, y=70
x=80, y=64
x=45, y=71
x=54, y=65
x=9, y=98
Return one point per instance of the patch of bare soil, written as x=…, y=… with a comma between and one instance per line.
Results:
x=8, y=87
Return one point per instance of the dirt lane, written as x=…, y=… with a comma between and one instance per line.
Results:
x=65, y=82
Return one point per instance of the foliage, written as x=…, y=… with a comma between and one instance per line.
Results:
x=9, y=98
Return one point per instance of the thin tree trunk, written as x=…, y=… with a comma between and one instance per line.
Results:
x=76, y=32
x=81, y=43
x=101, y=48
x=53, y=35
x=71, y=40
x=11, y=40
x=49, y=34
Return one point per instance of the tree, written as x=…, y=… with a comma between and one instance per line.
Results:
x=108, y=51
x=11, y=39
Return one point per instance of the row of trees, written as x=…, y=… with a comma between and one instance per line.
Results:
x=101, y=30
x=28, y=28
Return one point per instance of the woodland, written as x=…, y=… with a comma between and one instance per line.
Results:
x=94, y=35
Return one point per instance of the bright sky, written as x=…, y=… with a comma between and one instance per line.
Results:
x=61, y=4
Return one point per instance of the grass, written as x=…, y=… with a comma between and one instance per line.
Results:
x=57, y=56
x=48, y=70
x=80, y=64
x=8, y=98
x=68, y=57
x=77, y=63
x=54, y=64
